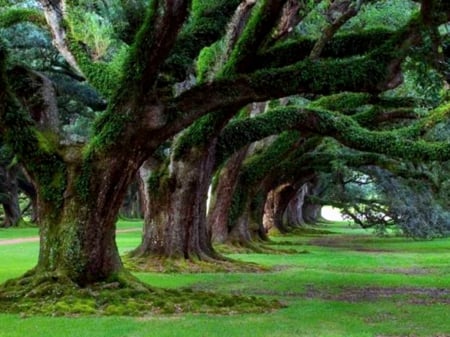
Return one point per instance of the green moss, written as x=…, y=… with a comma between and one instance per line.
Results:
x=158, y=180
x=244, y=131
x=37, y=152
x=103, y=76
x=200, y=133
x=206, y=25
x=342, y=102
x=83, y=182
x=344, y=45
x=393, y=143
x=108, y=130
x=258, y=28
x=207, y=60
x=55, y=299
x=35, y=149
x=21, y=15
x=256, y=168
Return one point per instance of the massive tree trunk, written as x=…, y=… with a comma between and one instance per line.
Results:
x=10, y=196
x=294, y=210
x=249, y=224
x=311, y=211
x=77, y=229
x=276, y=204
x=222, y=197
x=175, y=222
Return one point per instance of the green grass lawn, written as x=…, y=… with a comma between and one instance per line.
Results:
x=348, y=283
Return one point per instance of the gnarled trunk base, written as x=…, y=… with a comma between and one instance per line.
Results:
x=175, y=219
x=55, y=294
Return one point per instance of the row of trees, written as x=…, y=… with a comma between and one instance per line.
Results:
x=238, y=98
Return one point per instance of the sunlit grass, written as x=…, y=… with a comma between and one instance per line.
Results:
x=309, y=283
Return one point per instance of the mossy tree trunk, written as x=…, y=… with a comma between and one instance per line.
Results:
x=77, y=228
x=10, y=196
x=275, y=207
x=294, y=210
x=175, y=222
x=249, y=225
x=311, y=211
x=222, y=197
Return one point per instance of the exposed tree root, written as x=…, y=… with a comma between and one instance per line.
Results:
x=57, y=295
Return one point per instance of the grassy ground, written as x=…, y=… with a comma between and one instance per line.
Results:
x=348, y=283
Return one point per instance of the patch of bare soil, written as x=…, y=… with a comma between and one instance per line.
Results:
x=17, y=241
x=36, y=238
x=410, y=295
x=406, y=271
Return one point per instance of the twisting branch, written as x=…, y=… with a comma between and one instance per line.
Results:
x=37, y=95
x=54, y=11
x=154, y=42
x=290, y=17
x=259, y=26
x=341, y=127
x=350, y=11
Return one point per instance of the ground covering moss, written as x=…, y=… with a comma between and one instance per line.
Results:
x=57, y=296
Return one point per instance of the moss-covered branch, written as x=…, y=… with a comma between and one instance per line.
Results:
x=21, y=15
x=35, y=149
x=343, y=45
x=54, y=15
x=152, y=45
x=206, y=25
x=331, y=30
x=261, y=23
x=344, y=129
x=257, y=167
x=363, y=74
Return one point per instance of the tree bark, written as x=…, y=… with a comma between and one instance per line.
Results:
x=310, y=210
x=10, y=200
x=249, y=225
x=77, y=239
x=276, y=203
x=294, y=210
x=222, y=197
x=175, y=219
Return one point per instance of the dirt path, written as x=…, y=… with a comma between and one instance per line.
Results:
x=36, y=238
